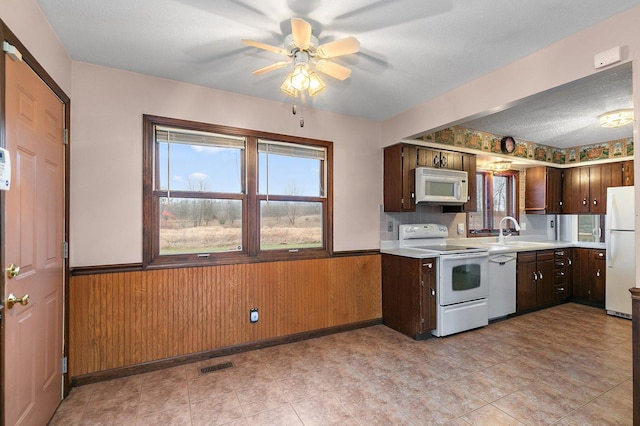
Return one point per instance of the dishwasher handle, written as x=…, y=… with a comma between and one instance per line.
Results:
x=503, y=259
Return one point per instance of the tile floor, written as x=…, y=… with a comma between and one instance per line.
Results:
x=567, y=365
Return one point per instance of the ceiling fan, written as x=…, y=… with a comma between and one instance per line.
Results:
x=301, y=48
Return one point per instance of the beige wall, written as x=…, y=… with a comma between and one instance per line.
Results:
x=25, y=19
x=106, y=162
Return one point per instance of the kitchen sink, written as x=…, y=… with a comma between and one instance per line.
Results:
x=516, y=243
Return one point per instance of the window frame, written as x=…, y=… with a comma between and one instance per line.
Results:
x=487, y=212
x=251, y=251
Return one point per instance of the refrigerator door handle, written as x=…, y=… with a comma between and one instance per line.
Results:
x=608, y=246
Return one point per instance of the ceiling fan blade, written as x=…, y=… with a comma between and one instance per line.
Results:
x=301, y=32
x=271, y=67
x=345, y=46
x=270, y=48
x=333, y=70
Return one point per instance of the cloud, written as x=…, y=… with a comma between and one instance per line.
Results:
x=177, y=178
x=198, y=176
x=206, y=149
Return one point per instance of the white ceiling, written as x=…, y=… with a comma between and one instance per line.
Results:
x=411, y=50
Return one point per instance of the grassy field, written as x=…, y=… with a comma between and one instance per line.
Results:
x=274, y=234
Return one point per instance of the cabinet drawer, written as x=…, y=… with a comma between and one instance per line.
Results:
x=545, y=255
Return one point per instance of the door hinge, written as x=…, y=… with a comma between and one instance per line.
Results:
x=422, y=283
x=11, y=50
x=65, y=136
x=64, y=365
x=65, y=250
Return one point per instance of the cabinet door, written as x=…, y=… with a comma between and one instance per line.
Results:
x=535, y=194
x=545, y=286
x=401, y=292
x=598, y=273
x=526, y=287
x=554, y=190
x=429, y=295
x=399, y=178
x=602, y=177
x=575, y=190
x=627, y=173
x=581, y=274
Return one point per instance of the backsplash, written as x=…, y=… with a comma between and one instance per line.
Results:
x=490, y=143
x=536, y=224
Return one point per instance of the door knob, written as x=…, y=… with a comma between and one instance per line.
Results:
x=13, y=270
x=12, y=300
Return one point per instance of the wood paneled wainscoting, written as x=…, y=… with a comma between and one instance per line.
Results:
x=122, y=321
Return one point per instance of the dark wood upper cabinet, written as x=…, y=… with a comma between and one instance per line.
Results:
x=399, y=178
x=543, y=190
x=627, y=173
x=400, y=162
x=585, y=188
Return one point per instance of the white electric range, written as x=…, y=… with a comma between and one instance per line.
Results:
x=463, y=287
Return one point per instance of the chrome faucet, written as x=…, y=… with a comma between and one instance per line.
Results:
x=501, y=237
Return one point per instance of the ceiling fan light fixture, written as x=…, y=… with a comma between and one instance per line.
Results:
x=316, y=85
x=617, y=118
x=287, y=87
x=300, y=77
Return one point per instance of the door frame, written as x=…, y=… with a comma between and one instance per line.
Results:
x=7, y=35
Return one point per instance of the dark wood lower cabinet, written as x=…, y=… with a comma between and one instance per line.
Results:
x=535, y=282
x=589, y=275
x=409, y=295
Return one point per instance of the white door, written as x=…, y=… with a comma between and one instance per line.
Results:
x=34, y=232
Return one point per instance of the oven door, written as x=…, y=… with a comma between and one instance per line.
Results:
x=463, y=277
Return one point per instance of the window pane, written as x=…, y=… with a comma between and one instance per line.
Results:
x=500, y=199
x=588, y=228
x=198, y=167
x=290, y=170
x=476, y=219
x=195, y=225
x=290, y=225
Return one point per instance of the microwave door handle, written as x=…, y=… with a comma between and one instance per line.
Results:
x=458, y=190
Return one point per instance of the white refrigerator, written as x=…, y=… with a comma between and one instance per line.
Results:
x=620, y=244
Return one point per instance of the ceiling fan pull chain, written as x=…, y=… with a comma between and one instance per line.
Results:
x=301, y=116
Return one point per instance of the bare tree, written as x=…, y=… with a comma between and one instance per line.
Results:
x=293, y=208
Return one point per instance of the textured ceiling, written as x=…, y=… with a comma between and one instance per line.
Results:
x=566, y=116
x=411, y=50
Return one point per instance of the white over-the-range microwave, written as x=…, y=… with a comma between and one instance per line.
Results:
x=444, y=187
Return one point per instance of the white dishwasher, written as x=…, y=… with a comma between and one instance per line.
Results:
x=502, y=285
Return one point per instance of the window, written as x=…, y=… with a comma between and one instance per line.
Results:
x=216, y=194
x=497, y=197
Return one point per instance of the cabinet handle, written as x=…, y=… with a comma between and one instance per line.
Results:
x=600, y=254
x=559, y=253
x=584, y=201
x=561, y=289
x=560, y=273
x=595, y=202
x=428, y=265
x=569, y=261
x=598, y=273
x=433, y=292
x=540, y=272
x=535, y=276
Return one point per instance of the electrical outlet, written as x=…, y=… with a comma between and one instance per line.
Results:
x=523, y=226
x=552, y=224
x=253, y=315
x=390, y=226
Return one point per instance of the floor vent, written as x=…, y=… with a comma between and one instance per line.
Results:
x=212, y=368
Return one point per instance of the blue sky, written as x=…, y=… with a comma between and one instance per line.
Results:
x=197, y=167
